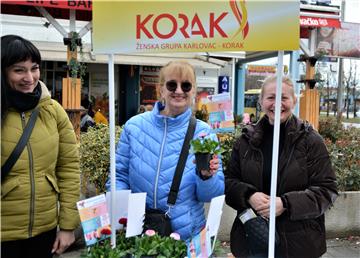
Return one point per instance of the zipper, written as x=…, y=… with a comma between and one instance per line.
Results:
x=32, y=180
x=159, y=164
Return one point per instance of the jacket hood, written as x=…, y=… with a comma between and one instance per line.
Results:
x=44, y=91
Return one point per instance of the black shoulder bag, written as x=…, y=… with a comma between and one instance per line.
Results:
x=156, y=219
x=15, y=154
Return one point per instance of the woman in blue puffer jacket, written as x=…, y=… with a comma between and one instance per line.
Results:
x=150, y=146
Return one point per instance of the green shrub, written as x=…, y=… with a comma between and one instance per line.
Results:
x=329, y=128
x=345, y=159
x=226, y=142
x=95, y=155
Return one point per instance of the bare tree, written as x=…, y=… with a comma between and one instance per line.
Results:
x=355, y=83
x=351, y=80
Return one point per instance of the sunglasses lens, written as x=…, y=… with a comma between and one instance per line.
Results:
x=171, y=85
x=186, y=86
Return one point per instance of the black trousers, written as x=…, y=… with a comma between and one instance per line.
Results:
x=35, y=247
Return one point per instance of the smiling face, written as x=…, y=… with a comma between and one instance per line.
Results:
x=267, y=101
x=23, y=76
x=177, y=101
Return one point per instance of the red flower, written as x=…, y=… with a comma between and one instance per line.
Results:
x=123, y=221
x=105, y=231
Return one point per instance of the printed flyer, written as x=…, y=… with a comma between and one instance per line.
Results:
x=200, y=245
x=219, y=108
x=94, y=218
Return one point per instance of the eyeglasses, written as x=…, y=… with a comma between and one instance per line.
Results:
x=172, y=86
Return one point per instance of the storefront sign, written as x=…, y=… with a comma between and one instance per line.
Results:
x=64, y=4
x=261, y=70
x=195, y=26
x=223, y=84
x=306, y=21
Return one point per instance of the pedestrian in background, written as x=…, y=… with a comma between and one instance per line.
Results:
x=40, y=191
x=142, y=109
x=149, y=107
x=306, y=184
x=86, y=120
x=149, y=149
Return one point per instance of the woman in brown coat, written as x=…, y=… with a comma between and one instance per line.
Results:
x=306, y=184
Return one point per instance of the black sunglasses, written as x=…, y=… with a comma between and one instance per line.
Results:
x=172, y=86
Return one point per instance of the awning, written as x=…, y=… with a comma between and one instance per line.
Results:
x=54, y=51
x=319, y=16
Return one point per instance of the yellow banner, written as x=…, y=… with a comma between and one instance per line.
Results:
x=195, y=26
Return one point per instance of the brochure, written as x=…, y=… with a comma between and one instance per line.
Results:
x=94, y=218
x=219, y=108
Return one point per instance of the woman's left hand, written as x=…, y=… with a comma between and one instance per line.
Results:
x=64, y=239
x=214, y=166
x=279, y=208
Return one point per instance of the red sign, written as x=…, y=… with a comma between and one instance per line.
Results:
x=68, y=4
x=306, y=21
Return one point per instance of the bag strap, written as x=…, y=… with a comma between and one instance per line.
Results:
x=15, y=154
x=181, y=163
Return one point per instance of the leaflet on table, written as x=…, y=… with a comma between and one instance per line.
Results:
x=94, y=218
x=121, y=208
x=219, y=108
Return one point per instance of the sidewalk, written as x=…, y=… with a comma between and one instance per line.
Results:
x=336, y=248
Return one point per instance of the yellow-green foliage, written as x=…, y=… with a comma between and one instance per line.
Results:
x=95, y=155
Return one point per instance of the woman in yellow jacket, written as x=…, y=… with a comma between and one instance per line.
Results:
x=39, y=193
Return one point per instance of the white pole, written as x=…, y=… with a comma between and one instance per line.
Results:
x=112, y=146
x=275, y=155
x=232, y=91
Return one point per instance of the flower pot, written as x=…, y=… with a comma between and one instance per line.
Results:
x=202, y=161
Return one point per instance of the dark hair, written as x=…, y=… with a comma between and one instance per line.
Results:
x=14, y=49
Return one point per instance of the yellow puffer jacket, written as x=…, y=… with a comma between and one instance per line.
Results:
x=45, y=175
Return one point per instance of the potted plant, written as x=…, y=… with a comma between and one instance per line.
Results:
x=204, y=148
x=148, y=245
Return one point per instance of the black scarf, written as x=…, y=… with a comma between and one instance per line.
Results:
x=24, y=101
x=266, y=148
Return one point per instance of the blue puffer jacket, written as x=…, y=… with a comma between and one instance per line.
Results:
x=146, y=158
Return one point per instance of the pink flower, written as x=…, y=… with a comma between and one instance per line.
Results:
x=150, y=232
x=175, y=236
x=96, y=234
x=123, y=221
x=202, y=135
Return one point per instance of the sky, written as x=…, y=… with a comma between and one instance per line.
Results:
x=352, y=10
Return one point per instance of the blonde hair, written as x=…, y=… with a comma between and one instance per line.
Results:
x=180, y=68
x=272, y=78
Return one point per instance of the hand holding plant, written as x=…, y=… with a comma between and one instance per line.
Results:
x=206, y=151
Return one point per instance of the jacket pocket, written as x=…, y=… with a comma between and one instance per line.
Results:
x=10, y=185
x=306, y=242
x=53, y=183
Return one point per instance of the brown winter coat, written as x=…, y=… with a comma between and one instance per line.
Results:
x=45, y=175
x=305, y=179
